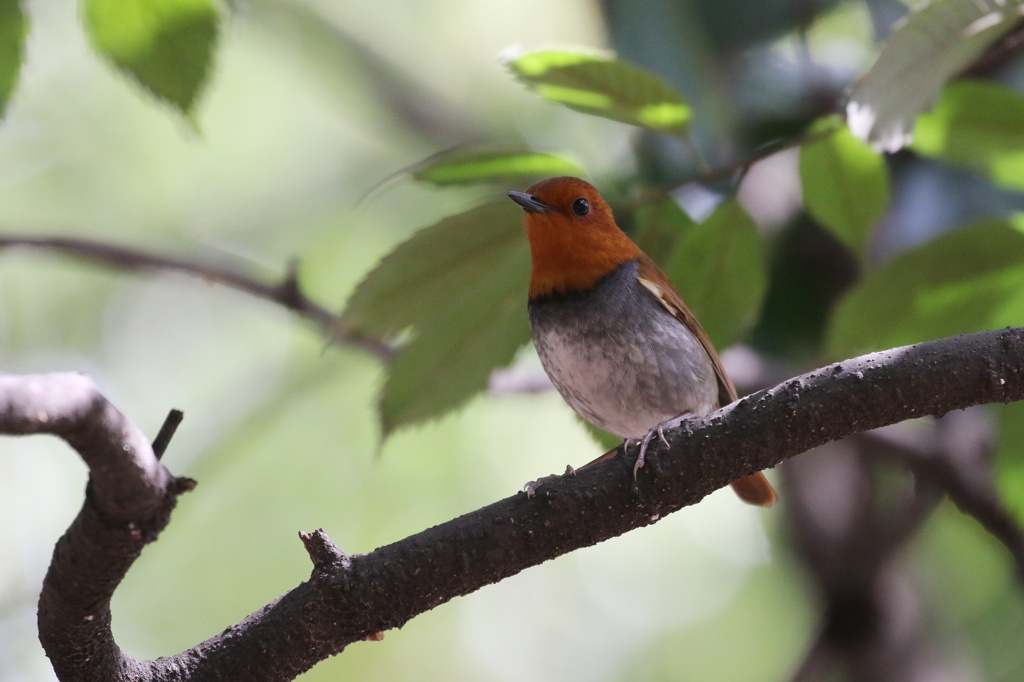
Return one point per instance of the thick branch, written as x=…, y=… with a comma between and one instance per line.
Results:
x=287, y=293
x=386, y=588
x=128, y=502
x=350, y=598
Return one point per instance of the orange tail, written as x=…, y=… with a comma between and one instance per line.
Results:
x=755, y=489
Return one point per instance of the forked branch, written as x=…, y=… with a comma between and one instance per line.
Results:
x=350, y=598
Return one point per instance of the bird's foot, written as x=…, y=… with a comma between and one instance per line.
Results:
x=658, y=431
x=531, y=488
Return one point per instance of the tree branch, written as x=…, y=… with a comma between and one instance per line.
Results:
x=968, y=481
x=128, y=502
x=350, y=598
x=287, y=293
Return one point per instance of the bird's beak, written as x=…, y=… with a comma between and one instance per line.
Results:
x=529, y=202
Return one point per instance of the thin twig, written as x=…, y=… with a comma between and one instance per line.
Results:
x=287, y=293
x=760, y=153
x=163, y=438
x=971, y=496
x=997, y=54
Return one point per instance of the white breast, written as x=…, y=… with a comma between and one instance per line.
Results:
x=627, y=382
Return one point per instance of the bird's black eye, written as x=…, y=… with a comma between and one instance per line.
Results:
x=581, y=207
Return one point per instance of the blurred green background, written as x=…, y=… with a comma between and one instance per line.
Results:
x=310, y=106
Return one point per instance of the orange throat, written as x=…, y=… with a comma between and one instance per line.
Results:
x=566, y=261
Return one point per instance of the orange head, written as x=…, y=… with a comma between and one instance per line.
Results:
x=574, y=240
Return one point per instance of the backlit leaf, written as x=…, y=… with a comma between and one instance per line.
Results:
x=845, y=184
x=604, y=87
x=516, y=166
x=165, y=45
x=13, y=27
x=977, y=124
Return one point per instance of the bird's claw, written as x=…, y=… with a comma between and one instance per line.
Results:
x=641, y=457
x=532, y=486
x=658, y=431
x=660, y=428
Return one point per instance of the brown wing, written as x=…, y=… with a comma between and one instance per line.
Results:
x=753, y=489
x=655, y=281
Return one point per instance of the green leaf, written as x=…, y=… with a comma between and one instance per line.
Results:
x=515, y=166
x=1009, y=457
x=977, y=124
x=973, y=121
x=934, y=43
x=459, y=287
x=13, y=28
x=845, y=184
x=439, y=264
x=719, y=267
x=965, y=281
x=1008, y=170
x=660, y=225
x=165, y=45
x=452, y=355
x=604, y=87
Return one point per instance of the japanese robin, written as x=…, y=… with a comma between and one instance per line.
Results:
x=612, y=332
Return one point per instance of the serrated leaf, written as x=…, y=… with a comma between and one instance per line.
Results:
x=459, y=288
x=165, y=45
x=1009, y=458
x=977, y=124
x=845, y=184
x=965, y=281
x=515, y=166
x=933, y=43
x=452, y=355
x=13, y=28
x=439, y=264
x=719, y=268
x=604, y=87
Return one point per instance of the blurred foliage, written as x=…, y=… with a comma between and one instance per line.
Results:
x=603, y=87
x=1009, y=463
x=659, y=225
x=805, y=245
x=845, y=184
x=720, y=264
x=970, y=280
x=938, y=40
x=515, y=166
x=977, y=124
x=12, y=40
x=166, y=45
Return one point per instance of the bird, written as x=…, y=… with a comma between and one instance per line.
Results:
x=612, y=331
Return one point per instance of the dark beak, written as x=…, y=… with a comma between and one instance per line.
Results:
x=529, y=202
